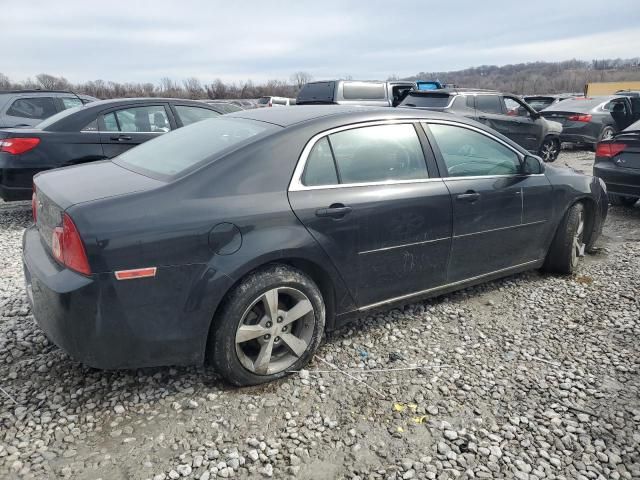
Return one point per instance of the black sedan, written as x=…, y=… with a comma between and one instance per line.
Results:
x=588, y=120
x=95, y=131
x=618, y=164
x=241, y=239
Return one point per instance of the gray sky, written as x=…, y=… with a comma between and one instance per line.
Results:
x=139, y=40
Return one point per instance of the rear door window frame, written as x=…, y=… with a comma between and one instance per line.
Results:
x=432, y=169
x=103, y=129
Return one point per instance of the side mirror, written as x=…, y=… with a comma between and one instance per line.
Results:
x=532, y=165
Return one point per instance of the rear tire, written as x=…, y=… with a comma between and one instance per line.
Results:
x=568, y=243
x=607, y=133
x=622, y=200
x=269, y=325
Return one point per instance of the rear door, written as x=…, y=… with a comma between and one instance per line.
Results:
x=484, y=177
x=127, y=126
x=367, y=196
x=491, y=111
x=525, y=130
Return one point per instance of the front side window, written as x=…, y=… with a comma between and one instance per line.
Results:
x=467, y=153
x=363, y=91
x=70, y=102
x=515, y=108
x=378, y=153
x=190, y=115
x=489, y=104
x=151, y=118
x=37, y=108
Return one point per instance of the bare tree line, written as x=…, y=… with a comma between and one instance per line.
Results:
x=541, y=77
x=167, y=87
x=523, y=78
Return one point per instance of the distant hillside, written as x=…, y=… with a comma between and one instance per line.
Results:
x=540, y=77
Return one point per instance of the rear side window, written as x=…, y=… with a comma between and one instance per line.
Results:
x=152, y=118
x=489, y=104
x=363, y=91
x=187, y=148
x=468, y=153
x=190, y=115
x=37, y=108
x=371, y=154
x=317, y=92
x=320, y=168
x=433, y=100
x=70, y=102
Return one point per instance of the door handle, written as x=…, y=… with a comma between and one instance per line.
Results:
x=121, y=138
x=337, y=210
x=470, y=196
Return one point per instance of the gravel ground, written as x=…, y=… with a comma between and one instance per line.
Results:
x=534, y=376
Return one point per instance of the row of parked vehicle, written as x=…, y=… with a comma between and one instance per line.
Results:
x=81, y=129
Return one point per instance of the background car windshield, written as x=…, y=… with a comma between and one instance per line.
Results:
x=577, y=104
x=263, y=100
x=186, y=148
x=58, y=116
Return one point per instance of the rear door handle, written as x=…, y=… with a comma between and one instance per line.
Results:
x=470, y=196
x=334, y=211
x=121, y=138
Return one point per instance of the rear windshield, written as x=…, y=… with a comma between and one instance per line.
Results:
x=263, y=100
x=316, y=92
x=634, y=127
x=176, y=153
x=579, y=104
x=433, y=100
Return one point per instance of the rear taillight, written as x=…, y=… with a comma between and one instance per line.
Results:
x=34, y=204
x=18, y=145
x=580, y=117
x=67, y=247
x=609, y=150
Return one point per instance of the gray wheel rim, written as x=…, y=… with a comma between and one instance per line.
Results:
x=608, y=134
x=548, y=150
x=275, y=331
x=578, y=247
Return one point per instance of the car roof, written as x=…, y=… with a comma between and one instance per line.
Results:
x=289, y=116
x=123, y=101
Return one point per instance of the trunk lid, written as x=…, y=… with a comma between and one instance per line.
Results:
x=59, y=189
x=630, y=156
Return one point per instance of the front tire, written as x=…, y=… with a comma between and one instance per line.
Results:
x=568, y=244
x=550, y=149
x=269, y=325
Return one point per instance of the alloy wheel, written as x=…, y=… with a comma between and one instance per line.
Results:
x=275, y=331
x=549, y=150
x=608, y=134
x=578, y=247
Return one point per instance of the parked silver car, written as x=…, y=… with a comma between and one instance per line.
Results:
x=27, y=108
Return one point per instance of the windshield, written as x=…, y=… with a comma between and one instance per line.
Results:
x=263, y=100
x=58, y=116
x=634, y=127
x=182, y=150
x=579, y=104
x=426, y=101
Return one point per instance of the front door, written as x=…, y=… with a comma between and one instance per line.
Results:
x=484, y=178
x=490, y=110
x=366, y=196
x=525, y=125
x=126, y=127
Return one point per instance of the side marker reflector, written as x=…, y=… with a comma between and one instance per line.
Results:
x=136, y=273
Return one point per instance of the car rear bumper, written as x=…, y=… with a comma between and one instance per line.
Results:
x=16, y=184
x=620, y=181
x=111, y=324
